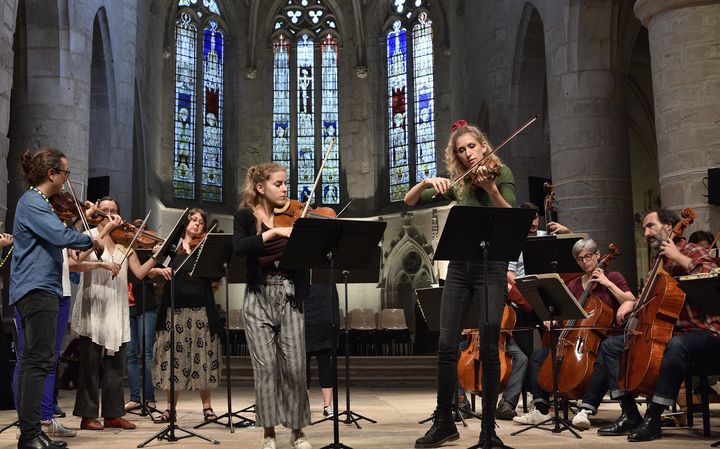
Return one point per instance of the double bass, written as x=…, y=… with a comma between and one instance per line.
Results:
x=650, y=324
x=469, y=370
x=578, y=348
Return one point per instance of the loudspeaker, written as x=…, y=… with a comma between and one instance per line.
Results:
x=714, y=186
x=98, y=187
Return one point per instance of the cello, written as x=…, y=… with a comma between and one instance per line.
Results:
x=650, y=324
x=469, y=370
x=578, y=345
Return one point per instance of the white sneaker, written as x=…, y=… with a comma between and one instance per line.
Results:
x=328, y=411
x=269, y=443
x=300, y=442
x=582, y=419
x=53, y=428
x=532, y=417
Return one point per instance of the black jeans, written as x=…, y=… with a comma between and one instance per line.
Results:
x=698, y=347
x=463, y=285
x=38, y=311
x=605, y=373
x=541, y=397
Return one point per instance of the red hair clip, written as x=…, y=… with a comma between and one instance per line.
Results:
x=458, y=124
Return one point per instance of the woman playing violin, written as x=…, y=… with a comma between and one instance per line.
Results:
x=489, y=186
x=273, y=308
x=197, y=327
x=612, y=289
x=100, y=316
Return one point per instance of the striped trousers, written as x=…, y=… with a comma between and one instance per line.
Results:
x=276, y=339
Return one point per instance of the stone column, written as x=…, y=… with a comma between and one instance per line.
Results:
x=588, y=128
x=8, y=13
x=685, y=61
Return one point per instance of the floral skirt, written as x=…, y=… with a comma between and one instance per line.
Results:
x=197, y=353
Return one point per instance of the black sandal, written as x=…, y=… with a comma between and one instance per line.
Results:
x=163, y=418
x=209, y=414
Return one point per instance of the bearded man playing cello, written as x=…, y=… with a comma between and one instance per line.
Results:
x=696, y=336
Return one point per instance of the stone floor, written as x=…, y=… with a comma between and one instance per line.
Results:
x=396, y=410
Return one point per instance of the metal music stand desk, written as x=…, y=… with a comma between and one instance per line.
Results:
x=368, y=275
x=216, y=260
x=335, y=245
x=143, y=256
x=484, y=234
x=550, y=254
x=551, y=300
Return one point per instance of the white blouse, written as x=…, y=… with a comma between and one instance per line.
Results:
x=100, y=311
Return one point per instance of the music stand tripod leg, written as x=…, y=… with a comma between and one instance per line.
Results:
x=243, y=421
x=15, y=423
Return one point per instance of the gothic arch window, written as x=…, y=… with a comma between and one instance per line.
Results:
x=305, y=45
x=198, y=111
x=410, y=95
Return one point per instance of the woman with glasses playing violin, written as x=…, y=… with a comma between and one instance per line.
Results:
x=101, y=317
x=491, y=185
x=197, y=327
x=36, y=282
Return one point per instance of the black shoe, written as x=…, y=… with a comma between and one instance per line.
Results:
x=505, y=411
x=495, y=441
x=442, y=430
x=622, y=426
x=41, y=441
x=648, y=430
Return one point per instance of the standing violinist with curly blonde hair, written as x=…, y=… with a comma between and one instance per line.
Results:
x=492, y=185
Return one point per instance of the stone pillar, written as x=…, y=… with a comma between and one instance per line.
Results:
x=8, y=13
x=588, y=128
x=685, y=63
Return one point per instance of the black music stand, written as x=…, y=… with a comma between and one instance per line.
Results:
x=428, y=300
x=168, y=248
x=143, y=256
x=368, y=275
x=551, y=300
x=344, y=245
x=214, y=261
x=704, y=293
x=488, y=234
x=550, y=253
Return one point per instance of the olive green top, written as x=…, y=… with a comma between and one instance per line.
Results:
x=505, y=183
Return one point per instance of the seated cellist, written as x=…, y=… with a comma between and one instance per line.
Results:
x=696, y=337
x=613, y=290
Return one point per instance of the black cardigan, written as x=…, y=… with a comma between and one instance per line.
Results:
x=248, y=243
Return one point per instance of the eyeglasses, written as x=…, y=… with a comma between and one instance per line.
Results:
x=64, y=172
x=586, y=258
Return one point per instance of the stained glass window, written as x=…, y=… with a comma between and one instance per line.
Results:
x=198, y=75
x=310, y=77
x=411, y=127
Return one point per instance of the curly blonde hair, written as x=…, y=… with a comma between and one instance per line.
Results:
x=454, y=165
x=257, y=174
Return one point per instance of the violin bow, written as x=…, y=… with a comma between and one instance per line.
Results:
x=132, y=242
x=502, y=144
x=317, y=178
x=82, y=216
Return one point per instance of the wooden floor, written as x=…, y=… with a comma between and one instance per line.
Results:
x=396, y=410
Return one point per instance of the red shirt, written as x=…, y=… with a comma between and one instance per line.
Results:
x=604, y=294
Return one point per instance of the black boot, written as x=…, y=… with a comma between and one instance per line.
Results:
x=442, y=430
x=649, y=429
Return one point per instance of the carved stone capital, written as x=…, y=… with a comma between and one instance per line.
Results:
x=251, y=73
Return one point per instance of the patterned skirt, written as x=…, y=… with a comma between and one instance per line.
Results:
x=197, y=353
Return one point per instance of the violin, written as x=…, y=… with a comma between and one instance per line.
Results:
x=125, y=233
x=578, y=346
x=293, y=209
x=469, y=370
x=650, y=324
x=65, y=208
